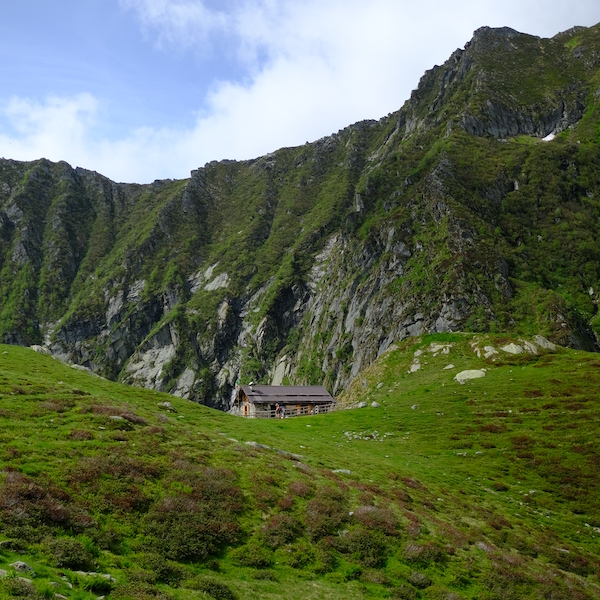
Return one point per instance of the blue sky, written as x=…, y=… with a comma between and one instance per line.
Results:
x=146, y=89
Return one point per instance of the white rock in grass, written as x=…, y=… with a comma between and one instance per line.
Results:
x=375, y=404
x=40, y=349
x=542, y=342
x=415, y=366
x=489, y=351
x=447, y=367
x=166, y=405
x=529, y=347
x=437, y=348
x=512, y=348
x=21, y=567
x=465, y=376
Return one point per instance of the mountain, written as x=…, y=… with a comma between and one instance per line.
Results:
x=475, y=207
x=434, y=490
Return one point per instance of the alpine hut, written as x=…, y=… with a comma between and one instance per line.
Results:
x=260, y=401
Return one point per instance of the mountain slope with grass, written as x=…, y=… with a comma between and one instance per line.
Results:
x=305, y=265
x=487, y=489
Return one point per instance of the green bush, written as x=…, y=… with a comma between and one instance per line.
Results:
x=97, y=584
x=297, y=555
x=19, y=588
x=69, y=553
x=164, y=571
x=280, y=529
x=252, y=554
x=369, y=548
x=198, y=523
x=326, y=512
x=214, y=589
x=380, y=519
x=404, y=592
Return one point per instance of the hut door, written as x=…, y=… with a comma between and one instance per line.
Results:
x=246, y=410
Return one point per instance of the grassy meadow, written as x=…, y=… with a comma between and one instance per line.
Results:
x=486, y=490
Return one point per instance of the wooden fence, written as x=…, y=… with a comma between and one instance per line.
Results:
x=293, y=411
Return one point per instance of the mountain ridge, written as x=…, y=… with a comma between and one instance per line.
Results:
x=306, y=264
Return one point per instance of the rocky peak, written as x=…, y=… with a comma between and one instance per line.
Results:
x=492, y=39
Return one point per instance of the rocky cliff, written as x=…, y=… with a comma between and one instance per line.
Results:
x=304, y=265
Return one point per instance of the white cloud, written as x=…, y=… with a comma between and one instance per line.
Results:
x=312, y=67
x=53, y=129
x=178, y=22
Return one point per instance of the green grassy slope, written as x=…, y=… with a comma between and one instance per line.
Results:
x=483, y=490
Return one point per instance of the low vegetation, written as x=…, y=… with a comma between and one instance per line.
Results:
x=485, y=490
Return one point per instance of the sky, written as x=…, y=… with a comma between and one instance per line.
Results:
x=140, y=90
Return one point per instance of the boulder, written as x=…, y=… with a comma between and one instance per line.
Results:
x=529, y=347
x=375, y=404
x=512, y=348
x=465, y=376
x=21, y=567
x=415, y=366
x=40, y=349
x=489, y=351
x=542, y=342
x=258, y=446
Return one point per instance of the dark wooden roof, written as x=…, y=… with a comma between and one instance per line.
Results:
x=287, y=394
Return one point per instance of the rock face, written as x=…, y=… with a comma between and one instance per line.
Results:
x=305, y=265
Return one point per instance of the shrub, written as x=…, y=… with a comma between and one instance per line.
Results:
x=138, y=591
x=301, y=489
x=369, y=548
x=97, y=584
x=91, y=469
x=253, y=555
x=185, y=531
x=81, y=435
x=69, y=553
x=19, y=588
x=196, y=524
x=266, y=575
x=404, y=592
x=423, y=554
x=164, y=571
x=214, y=589
x=575, y=563
x=286, y=502
x=380, y=519
x=493, y=428
x=24, y=503
x=420, y=580
x=280, y=529
x=298, y=555
x=326, y=512
x=325, y=560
